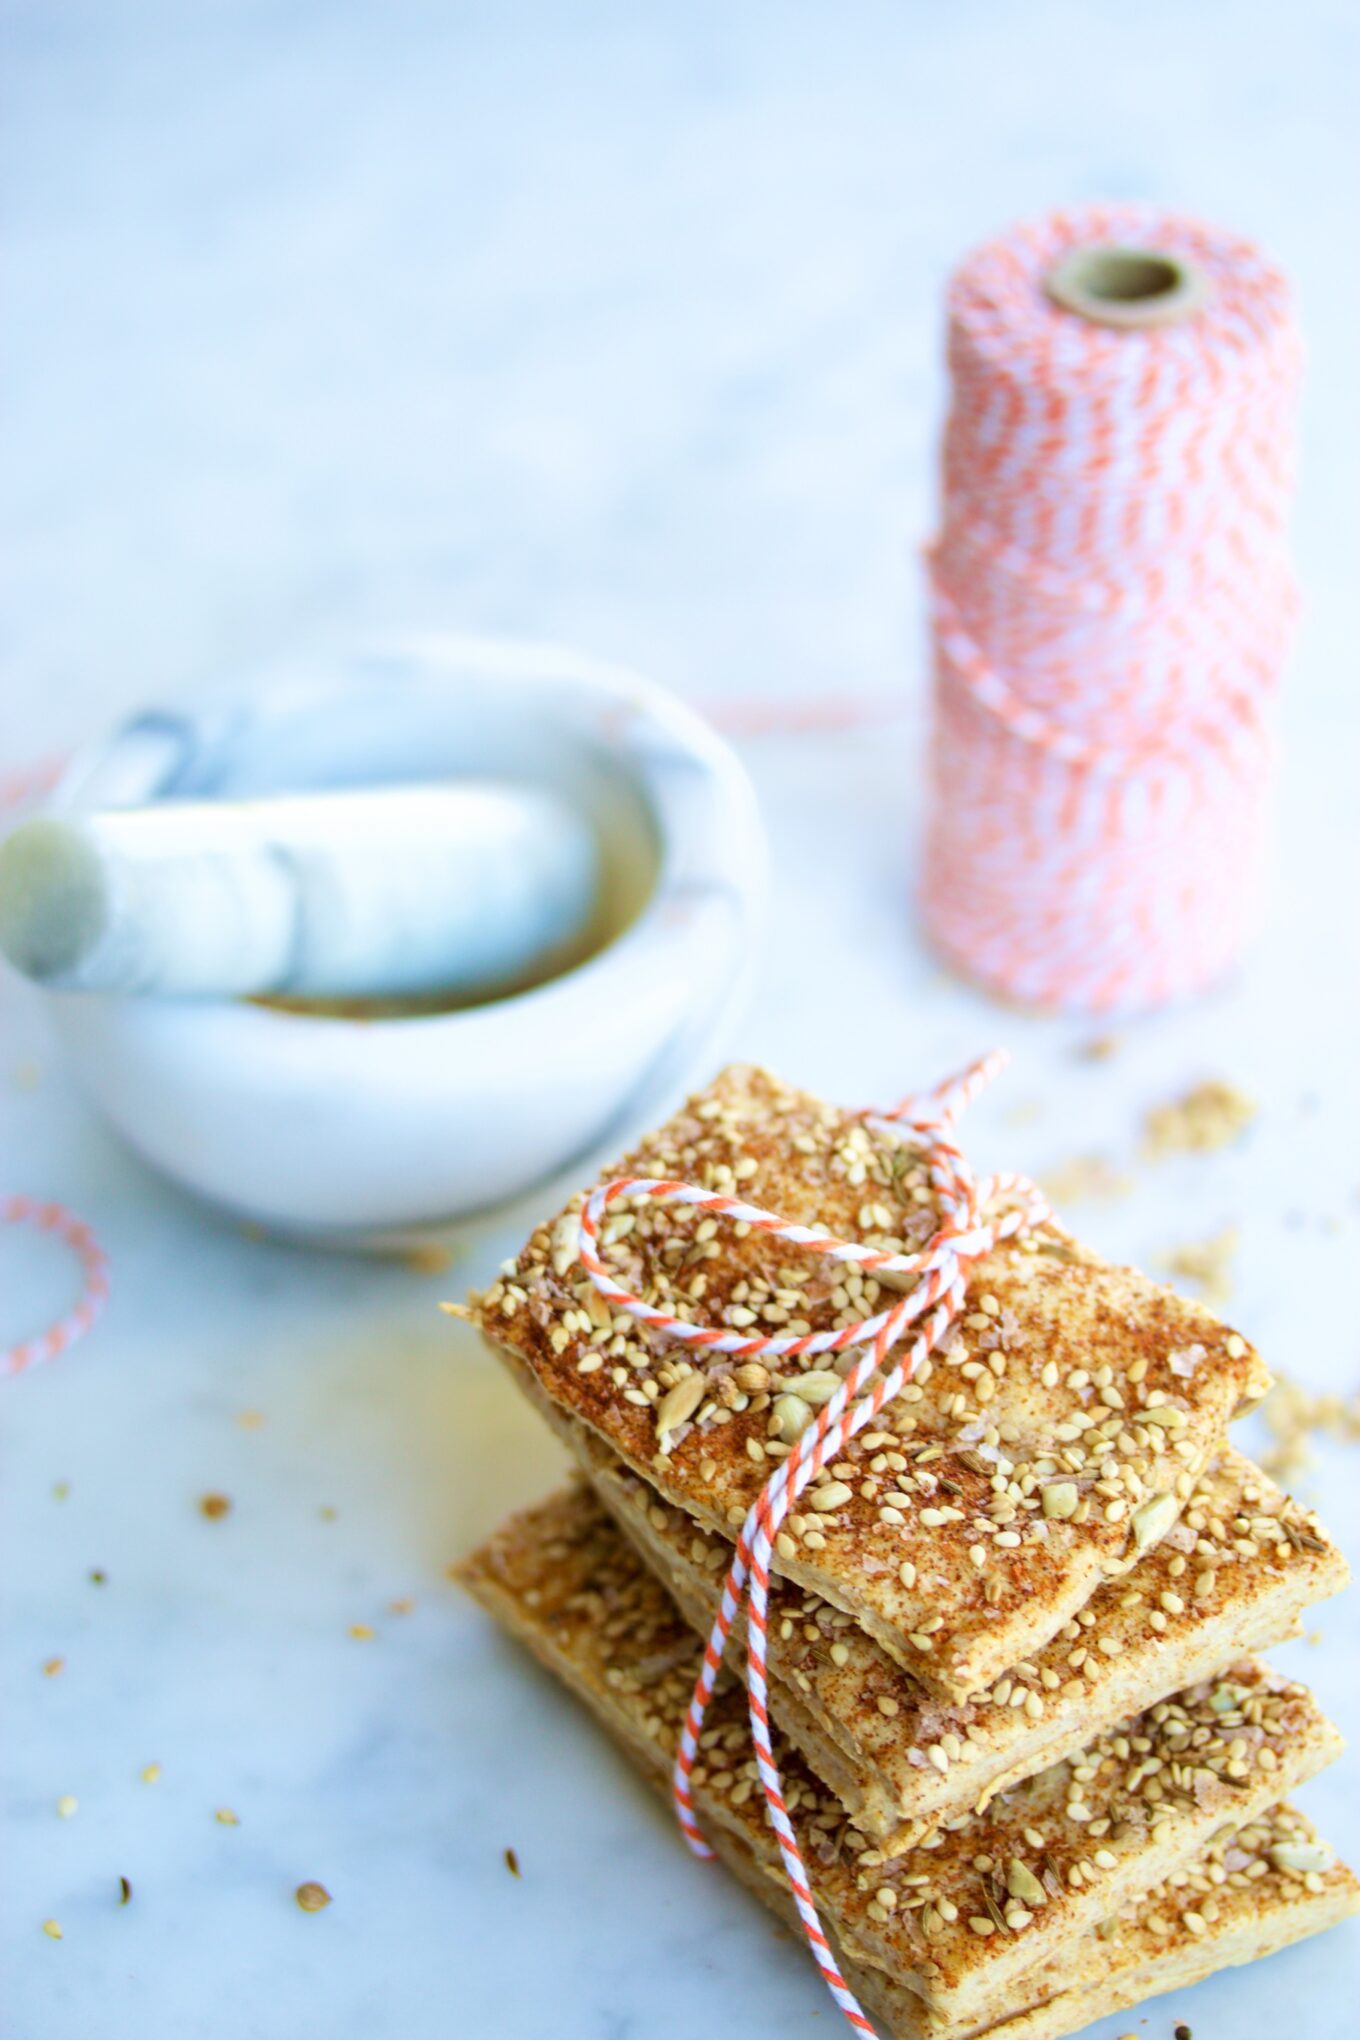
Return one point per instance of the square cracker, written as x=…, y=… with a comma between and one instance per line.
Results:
x=1055, y=1438
x=960, y=1920
x=1232, y=1576
x=1256, y=1907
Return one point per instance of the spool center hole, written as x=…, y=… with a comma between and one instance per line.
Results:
x=1127, y=276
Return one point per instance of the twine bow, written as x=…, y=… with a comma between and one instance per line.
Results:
x=969, y=1228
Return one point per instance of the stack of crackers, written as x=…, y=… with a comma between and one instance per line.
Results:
x=1036, y=1768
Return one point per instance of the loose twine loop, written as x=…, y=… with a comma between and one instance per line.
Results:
x=971, y=1225
x=16, y=790
x=1111, y=603
x=94, y=1267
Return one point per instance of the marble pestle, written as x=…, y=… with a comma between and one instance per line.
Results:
x=464, y=888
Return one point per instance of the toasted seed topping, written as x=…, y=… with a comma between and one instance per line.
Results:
x=791, y=1417
x=1023, y=1884
x=1153, y=1520
x=1302, y=1856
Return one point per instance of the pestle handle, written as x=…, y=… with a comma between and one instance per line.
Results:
x=466, y=888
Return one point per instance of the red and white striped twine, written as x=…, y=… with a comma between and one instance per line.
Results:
x=17, y=789
x=56, y=1219
x=1111, y=600
x=975, y=1213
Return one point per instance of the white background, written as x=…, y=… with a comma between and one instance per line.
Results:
x=620, y=325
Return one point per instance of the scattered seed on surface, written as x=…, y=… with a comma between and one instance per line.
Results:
x=124, y=1891
x=52, y=1930
x=215, y=1506
x=227, y=1818
x=67, y=1805
x=312, y=1897
x=150, y=1773
x=53, y=1666
x=512, y=1862
x=362, y=1632
x=98, y=1576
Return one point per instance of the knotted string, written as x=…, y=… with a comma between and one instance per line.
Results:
x=965, y=1234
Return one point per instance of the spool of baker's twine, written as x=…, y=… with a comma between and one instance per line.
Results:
x=974, y=1215
x=1111, y=600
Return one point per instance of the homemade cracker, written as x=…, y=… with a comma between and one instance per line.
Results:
x=1233, y=1575
x=958, y=1921
x=1052, y=1442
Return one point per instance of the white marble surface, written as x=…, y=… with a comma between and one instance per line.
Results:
x=619, y=325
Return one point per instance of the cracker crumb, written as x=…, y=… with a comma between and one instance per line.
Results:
x=1209, y=1116
x=1207, y=1263
x=1100, y=1047
x=1084, y=1177
x=1294, y=1416
x=1025, y=1112
x=428, y=1258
